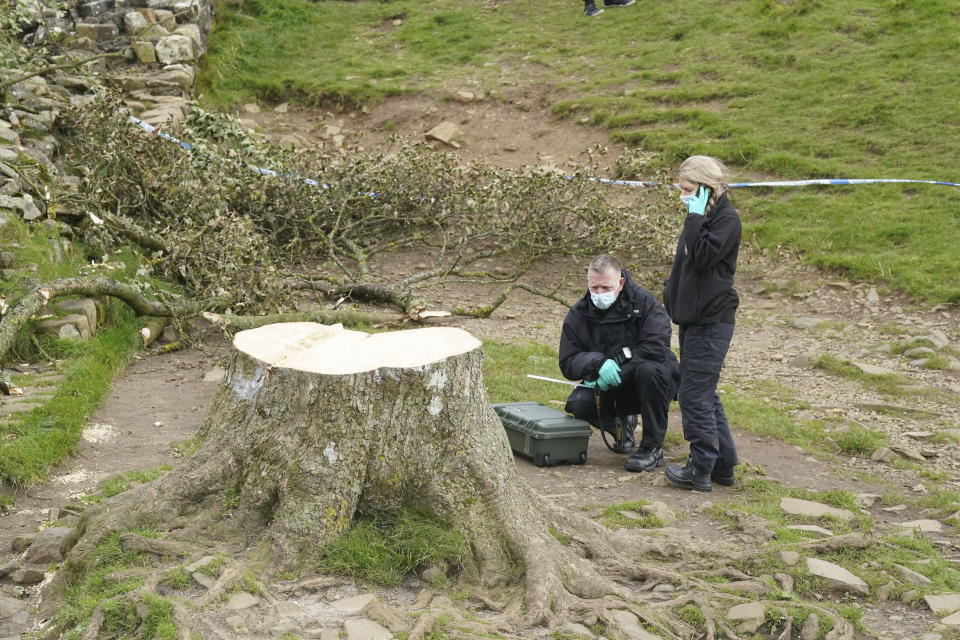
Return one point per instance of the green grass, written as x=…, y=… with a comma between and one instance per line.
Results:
x=937, y=362
x=120, y=482
x=383, y=549
x=96, y=585
x=764, y=408
x=807, y=89
x=612, y=516
x=761, y=497
x=31, y=442
x=38, y=439
x=692, y=615
x=887, y=384
x=177, y=578
x=214, y=567
x=505, y=369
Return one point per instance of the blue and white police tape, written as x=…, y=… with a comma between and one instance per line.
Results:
x=629, y=183
x=149, y=128
x=788, y=183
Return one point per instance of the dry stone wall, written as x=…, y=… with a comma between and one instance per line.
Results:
x=161, y=41
x=157, y=42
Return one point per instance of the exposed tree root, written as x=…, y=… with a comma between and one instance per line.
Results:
x=422, y=626
x=387, y=616
x=289, y=456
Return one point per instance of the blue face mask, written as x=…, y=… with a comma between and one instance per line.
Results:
x=685, y=199
x=603, y=300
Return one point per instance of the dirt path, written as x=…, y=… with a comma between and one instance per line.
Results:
x=791, y=315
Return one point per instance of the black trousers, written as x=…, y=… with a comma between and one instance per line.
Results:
x=646, y=388
x=702, y=351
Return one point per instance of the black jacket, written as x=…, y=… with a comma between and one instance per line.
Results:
x=700, y=287
x=635, y=320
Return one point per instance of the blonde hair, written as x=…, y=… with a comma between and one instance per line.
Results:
x=709, y=172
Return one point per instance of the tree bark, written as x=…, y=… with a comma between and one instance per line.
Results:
x=314, y=424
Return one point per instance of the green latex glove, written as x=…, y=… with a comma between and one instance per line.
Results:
x=589, y=383
x=698, y=204
x=609, y=375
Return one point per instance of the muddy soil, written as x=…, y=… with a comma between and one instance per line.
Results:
x=160, y=400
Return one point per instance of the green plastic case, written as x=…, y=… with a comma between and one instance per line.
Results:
x=547, y=435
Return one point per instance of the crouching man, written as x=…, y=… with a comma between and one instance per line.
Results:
x=616, y=339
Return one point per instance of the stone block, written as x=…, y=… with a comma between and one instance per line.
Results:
x=363, y=629
x=97, y=32
x=149, y=14
x=924, y=526
x=837, y=577
x=630, y=626
x=446, y=132
x=145, y=51
x=26, y=576
x=172, y=49
x=51, y=545
x=750, y=615
x=187, y=11
x=240, y=601
x=83, y=306
x=92, y=8
x=179, y=76
x=166, y=18
x=943, y=604
x=9, y=136
x=8, y=567
x=24, y=205
x=9, y=607
x=162, y=114
x=71, y=327
x=354, y=604
x=191, y=31
x=795, y=506
x=22, y=543
x=135, y=23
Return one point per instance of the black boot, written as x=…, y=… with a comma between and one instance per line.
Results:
x=687, y=478
x=644, y=460
x=624, y=428
x=723, y=476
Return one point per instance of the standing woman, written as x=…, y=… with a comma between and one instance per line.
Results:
x=700, y=298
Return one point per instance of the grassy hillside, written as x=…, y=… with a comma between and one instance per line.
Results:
x=798, y=89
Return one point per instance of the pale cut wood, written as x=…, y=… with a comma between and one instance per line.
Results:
x=333, y=350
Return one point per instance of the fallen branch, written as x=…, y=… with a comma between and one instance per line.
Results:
x=347, y=317
x=28, y=306
x=486, y=311
x=152, y=329
x=58, y=67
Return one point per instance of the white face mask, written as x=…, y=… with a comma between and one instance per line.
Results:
x=603, y=300
x=685, y=199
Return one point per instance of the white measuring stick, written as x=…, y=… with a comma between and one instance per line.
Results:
x=572, y=384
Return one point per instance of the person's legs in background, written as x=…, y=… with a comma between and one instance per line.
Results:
x=702, y=351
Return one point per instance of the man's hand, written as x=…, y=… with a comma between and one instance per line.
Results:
x=609, y=375
x=698, y=204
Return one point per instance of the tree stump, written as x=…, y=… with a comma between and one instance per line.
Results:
x=314, y=424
